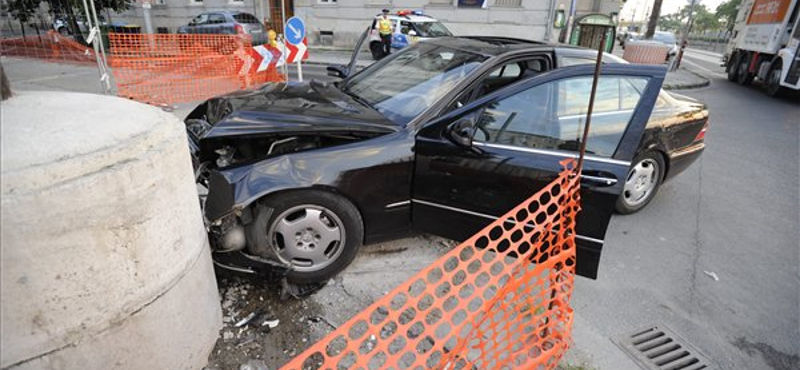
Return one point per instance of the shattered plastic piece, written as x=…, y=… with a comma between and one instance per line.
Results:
x=253, y=364
x=712, y=275
x=246, y=320
x=272, y=324
x=298, y=291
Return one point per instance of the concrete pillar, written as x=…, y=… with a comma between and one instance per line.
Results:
x=105, y=260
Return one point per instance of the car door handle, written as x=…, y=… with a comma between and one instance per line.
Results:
x=598, y=180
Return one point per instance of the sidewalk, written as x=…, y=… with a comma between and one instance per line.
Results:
x=683, y=79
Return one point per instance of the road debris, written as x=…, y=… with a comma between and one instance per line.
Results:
x=247, y=319
x=272, y=324
x=712, y=275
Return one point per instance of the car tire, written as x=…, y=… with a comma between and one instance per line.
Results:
x=773, y=83
x=733, y=67
x=641, y=185
x=743, y=75
x=314, y=220
x=376, y=49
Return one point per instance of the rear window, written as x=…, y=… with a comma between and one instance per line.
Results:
x=245, y=18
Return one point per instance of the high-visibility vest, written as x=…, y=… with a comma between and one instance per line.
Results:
x=384, y=26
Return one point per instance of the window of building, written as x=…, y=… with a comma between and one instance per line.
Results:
x=442, y=2
x=327, y=1
x=552, y=116
x=472, y=3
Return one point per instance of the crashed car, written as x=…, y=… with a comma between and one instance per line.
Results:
x=442, y=137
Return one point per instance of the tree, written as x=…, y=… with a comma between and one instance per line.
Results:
x=704, y=20
x=727, y=11
x=653, y=21
x=23, y=11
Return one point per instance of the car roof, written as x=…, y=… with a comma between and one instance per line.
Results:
x=411, y=17
x=493, y=45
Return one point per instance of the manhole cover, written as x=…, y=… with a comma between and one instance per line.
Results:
x=658, y=348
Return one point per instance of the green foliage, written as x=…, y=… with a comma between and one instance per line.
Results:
x=23, y=10
x=726, y=12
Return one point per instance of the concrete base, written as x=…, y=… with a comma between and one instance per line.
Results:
x=105, y=259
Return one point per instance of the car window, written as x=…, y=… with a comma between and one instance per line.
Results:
x=431, y=29
x=246, y=18
x=409, y=83
x=507, y=70
x=216, y=19
x=200, y=19
x=405, y=27
x=551, y=116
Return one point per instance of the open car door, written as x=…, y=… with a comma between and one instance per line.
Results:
x=483, y=159
x=344, y=71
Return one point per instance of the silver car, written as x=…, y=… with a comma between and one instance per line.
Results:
x=227, y=23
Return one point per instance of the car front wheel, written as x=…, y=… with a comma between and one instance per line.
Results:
x=642, y=183
x=316, y=233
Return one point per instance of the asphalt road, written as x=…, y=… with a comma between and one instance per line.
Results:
x=733, y=215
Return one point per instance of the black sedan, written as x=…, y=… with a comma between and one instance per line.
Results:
x=441, y=137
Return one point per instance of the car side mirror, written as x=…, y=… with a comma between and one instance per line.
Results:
x=412, y=33
x=462, y=132
x=338, y=70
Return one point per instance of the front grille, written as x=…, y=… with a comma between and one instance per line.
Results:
x=658, y=348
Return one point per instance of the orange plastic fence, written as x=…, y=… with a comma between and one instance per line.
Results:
x=50, y=46
x=500, y=300
x=172, y=68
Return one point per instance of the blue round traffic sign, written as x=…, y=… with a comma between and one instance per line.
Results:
x=295, y=30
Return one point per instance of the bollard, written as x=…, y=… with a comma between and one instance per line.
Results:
x=105, y=259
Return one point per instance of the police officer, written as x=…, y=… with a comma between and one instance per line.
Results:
x=385, y=32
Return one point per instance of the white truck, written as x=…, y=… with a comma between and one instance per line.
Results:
x=766, y=45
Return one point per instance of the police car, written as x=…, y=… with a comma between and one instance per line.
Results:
x=408, y=27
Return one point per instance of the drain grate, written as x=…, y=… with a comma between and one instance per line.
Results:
x=658, y=348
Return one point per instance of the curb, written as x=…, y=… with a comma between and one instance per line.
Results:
x=705, y=82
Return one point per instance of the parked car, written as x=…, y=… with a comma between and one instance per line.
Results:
x=629, y=37
x=61, y=24
x=227, y=23
x=667, y=38
x=409, y=27
x=441, y=137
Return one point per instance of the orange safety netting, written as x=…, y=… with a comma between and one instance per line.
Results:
x=499, y=300
x=173, y=68
x=50, y=46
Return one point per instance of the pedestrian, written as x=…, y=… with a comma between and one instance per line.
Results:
x=385, y=32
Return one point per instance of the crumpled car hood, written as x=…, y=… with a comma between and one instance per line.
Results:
x=292, y=108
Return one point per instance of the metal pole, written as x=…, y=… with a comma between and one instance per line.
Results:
x=570, y=22
x=548, y=30
x=299, y=70
x=283, y=30
x=91, y=21
x=148, y=24
x=597, y=66
x=684, y=39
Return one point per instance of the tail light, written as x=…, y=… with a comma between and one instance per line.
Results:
x=239, y=29
x=702, y=134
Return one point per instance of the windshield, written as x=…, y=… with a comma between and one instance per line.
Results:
x=410, y=82
x=665, y=38
x=431, y=29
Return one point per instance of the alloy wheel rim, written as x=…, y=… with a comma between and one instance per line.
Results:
x=641, y=182
x=307, y=237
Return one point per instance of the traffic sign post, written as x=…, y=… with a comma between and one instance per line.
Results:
x=295, y=31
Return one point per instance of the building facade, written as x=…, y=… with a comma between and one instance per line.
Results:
x=339, y=23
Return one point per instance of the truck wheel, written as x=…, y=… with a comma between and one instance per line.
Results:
x=377, y=50
x=743, y=75
x=315, y=232
x=773, y=81
x=733, y=67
